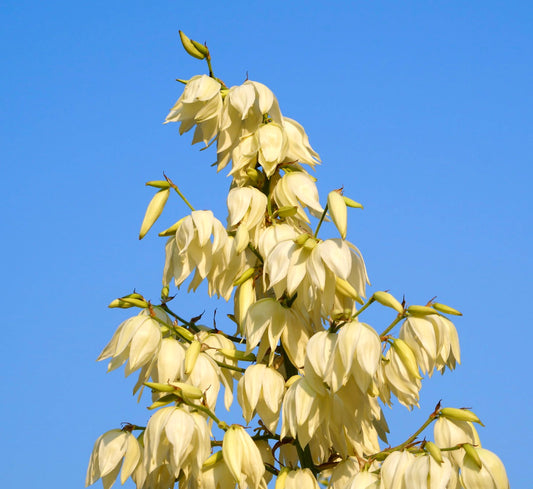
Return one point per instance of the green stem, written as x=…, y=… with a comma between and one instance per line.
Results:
x=178, y=191
x=370, y=301
x=391, y=325
x=208, y=59
x=322, y=217
x=184, y=321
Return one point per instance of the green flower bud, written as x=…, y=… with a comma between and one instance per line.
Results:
x=237, y=354
x=434, y=451
x=163, y=401
x=472, y=454
x=131, y=302
x=190, y=47
x=421, y=310
x=184, y=333
x=191, y=355
x=287, y=211
x=386, y=299
x=171, y=231
x=352, y=203
x=154, y=210
x=407, y=357
x=446, y=309
x=158, y=184
x=460, y=415
x=244, y=276
x=212, y=460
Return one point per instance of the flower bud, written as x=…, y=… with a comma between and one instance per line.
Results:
x=237, y=354
x=434, y=451
x=460, y=415
x=191, y=356
x=338, y=213
x=287, y=211
x=190, y=47
x=244, y=276
x=184, y=333
x=171, y=231
x=421, y=310
x=154, y=210
x=133, y=302
x=352, y=203
x=471, y=453
x=343, y=287
x=388, y=300
x=446, y=309
x=158, y=184
x=407, y=357
x=212, y=460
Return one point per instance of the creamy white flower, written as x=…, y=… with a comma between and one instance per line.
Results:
x=394, y=468
x=419, y=333
x=299, y=479
x=216, y=476
x=299, y=148
x=357, y=354
x=448, y=350
x=298, y=189
x=200, y=104
x=343, y=473
x=137, y=341
x=491, y=475
x=113, y=450
x=179, y=438
x=199, y=239
x=426, y=473
x=260, y=390
x=242, y=457
x=397, y=377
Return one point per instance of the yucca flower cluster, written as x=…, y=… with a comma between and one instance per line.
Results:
x=311, y=375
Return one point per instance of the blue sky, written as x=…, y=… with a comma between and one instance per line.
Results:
x=421, y=110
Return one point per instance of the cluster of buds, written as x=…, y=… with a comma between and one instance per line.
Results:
x=303, y=361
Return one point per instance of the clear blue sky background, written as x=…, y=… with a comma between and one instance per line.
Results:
x=421, y=109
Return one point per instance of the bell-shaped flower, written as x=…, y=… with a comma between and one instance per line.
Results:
x=426, y=473
x=365, y=480
x=200, y=104
x=242, y=457
x=137, y=341
x=260, y=390
x=113, y=450
x=491, y=474
x=271, y=146
x=298, y=189
x=419, y=333
x=215, y=474
x=394, y=468
x=297, y=479
x=199, y=238
x=318, y=360
x=302, y=412
x=299, y=148
x=179, y=438
x=400, y=374
x=357, y=354
x=448, y=350
x=343, y=473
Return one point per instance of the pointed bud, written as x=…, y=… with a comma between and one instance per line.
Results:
x=212, y=460
x=291, y=380
x=164, y=292
x=244, y=277
x=190, y=47
x=388, y=300
x=344, y=288
x=163, y=401
x=184, y=333
x=159, y=387
x=338, y=212
x=446, y=309
x=154, y=210
x=434, y=451
x=287, y=211
x=171, y=231
x=187, y=390
x=460, y=415
x=200, y=47
x=407, y=357
x=472, y=454
x=421, y=310
x=191, y=355
x=352, y=203
x=237, y=354
x=158, y=184
x=119, y=303
x=301, y=239
x=131, y=302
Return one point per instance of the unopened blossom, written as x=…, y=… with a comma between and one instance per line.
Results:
x=394, y=468
x=137, y=340
x=178, y=437
x=201, y=105
x=260, y=390
x=426, y=473
x=113, y=450
x=491, y=474
x=242, y=457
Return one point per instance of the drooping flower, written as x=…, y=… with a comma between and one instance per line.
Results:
x=113, y=450
x=491, y=474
